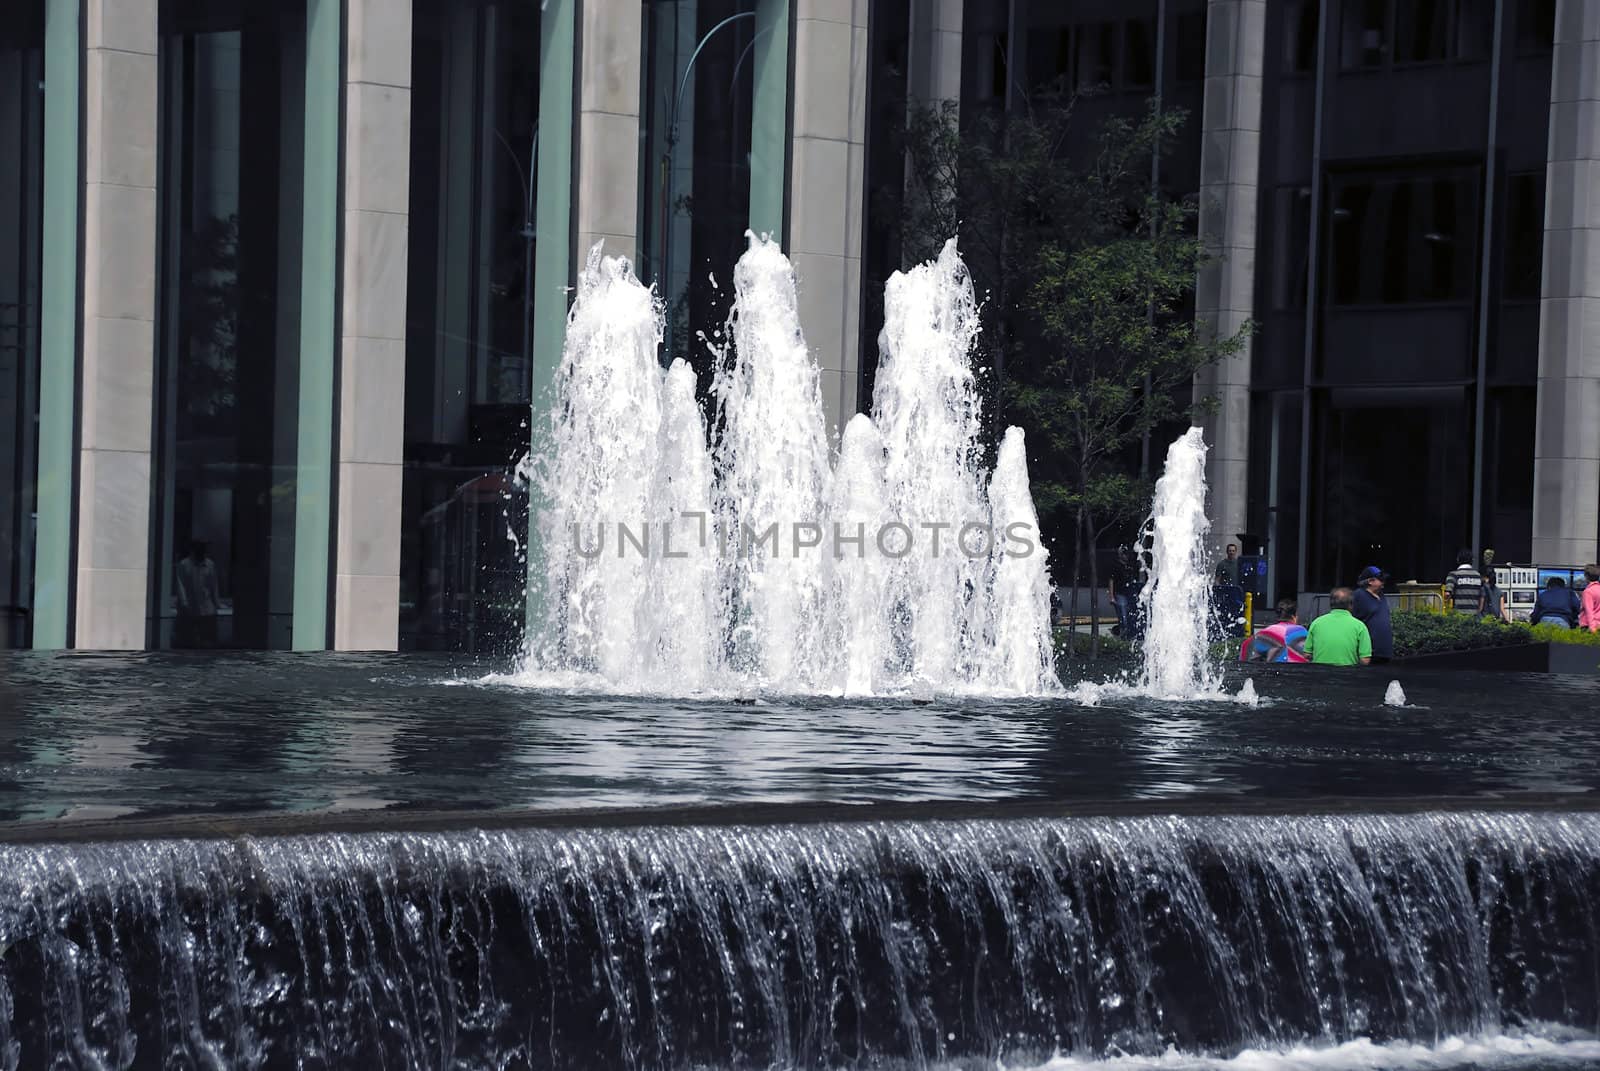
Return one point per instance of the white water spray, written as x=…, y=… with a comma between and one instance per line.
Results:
x=754, y=562
x=1176, y=600
x=1394, y=695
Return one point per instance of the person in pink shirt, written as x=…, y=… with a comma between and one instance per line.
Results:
x=1589, y=617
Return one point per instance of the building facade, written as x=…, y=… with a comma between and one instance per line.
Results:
x=287, y=279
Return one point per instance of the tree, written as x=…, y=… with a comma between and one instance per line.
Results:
x=1089, y=273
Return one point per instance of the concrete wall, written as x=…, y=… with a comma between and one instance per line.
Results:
x=118, y=322
x=607, y=195
x=372, y=351
x=1566, y=466
x=1224, y=295
x=934, y=69
x=826, y=180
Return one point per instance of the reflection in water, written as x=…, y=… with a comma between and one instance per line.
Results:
x=158, y=734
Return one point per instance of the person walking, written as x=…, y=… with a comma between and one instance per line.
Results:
x=1465, y=586
x=1556, y=605
x=1284, y=641
x=1494, y=596
x=1337, y=638
x=1372, y=610
x=1124, y=587
x=1228, y=567
x=1589, y=618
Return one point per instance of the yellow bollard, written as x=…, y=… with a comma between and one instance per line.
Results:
x=1249, y=613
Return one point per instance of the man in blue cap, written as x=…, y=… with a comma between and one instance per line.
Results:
x=1372, y=610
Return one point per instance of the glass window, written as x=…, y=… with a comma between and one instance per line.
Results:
x=1191, y=46
x=1096, y=54
x=1139, y=54
x=1524, y=239
x=1364, y=36
x=1474, y=31
x=228, y=317
x=21, y=207
x=1300, y=36
x=1291, y=220
x=1536, y=25
x=697, y=159
x=1402, y=239
x=469, y=303
x=1421, y=30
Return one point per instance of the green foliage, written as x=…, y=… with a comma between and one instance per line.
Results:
x=1072, y=644
x=1419, y=632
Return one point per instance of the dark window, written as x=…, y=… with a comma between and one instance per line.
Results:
x=1291, y=222
x=21, y=206
x=1096, y=54
x=1402, y=239
x=1536, y=25
x=1422, y=31
x=1191, y=46
x=1524, y=237
x=1474, y=30
x=998, y=67
x=474, y=109
x=1139, y=54
x=1364, y=35
x=1300, y=36
x=229, y=323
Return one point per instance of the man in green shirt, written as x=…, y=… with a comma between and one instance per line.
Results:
x=1337, y=638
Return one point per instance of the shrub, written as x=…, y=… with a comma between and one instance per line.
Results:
x=1071, y=644
x=1419, y=632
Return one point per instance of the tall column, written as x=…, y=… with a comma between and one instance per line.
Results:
x=58, y=328
x=118, y=322
x=1225, y=291
x=826, y=190
x=934, y=71
x=607, y=192
x=372, y=330
x=769, y=118
x=1566, y=457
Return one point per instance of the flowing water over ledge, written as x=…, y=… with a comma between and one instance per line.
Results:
x=829, y=945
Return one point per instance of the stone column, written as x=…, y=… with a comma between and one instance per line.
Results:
x=1566, y=458
x=1225, y=291
x=607, y=193
x=372, y=350
x=826, y=194
x=934, y=72
x=118, y=322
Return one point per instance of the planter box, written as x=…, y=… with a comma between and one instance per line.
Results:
x=1522, y=658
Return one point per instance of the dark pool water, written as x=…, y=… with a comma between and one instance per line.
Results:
x=96, y=736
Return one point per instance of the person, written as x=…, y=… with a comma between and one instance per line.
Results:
x=1337, y=638
x=1284, y=641
x=1464, y=584
x=1589, y=618
x=1124, y=588
x=198, y=598
x=1372, y=610
x=1556, y=606
x=1494, y=597
x=1228, y=567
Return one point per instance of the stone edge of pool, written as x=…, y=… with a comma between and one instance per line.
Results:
x=401, y=820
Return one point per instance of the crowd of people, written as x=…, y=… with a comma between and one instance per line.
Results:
x=1357, y=631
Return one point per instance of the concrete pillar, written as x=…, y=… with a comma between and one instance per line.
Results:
x=1225, y=291
x=372, y=351
x=607, y=195
x=1566, y=458
x=118, y=322
x=934, y=71
x=826, y=190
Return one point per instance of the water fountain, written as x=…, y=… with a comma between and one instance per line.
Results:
x=1176, y=600
x=927, y=566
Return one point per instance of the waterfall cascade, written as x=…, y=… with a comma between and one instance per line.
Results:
x=837, y=945
x=757, y=560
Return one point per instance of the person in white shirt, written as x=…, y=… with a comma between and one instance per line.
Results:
x=198, y=599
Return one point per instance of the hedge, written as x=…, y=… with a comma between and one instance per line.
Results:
x=1418, y=632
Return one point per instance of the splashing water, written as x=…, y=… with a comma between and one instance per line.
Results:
x=677, y=565
x=1175, y=602
x=1394, y=696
